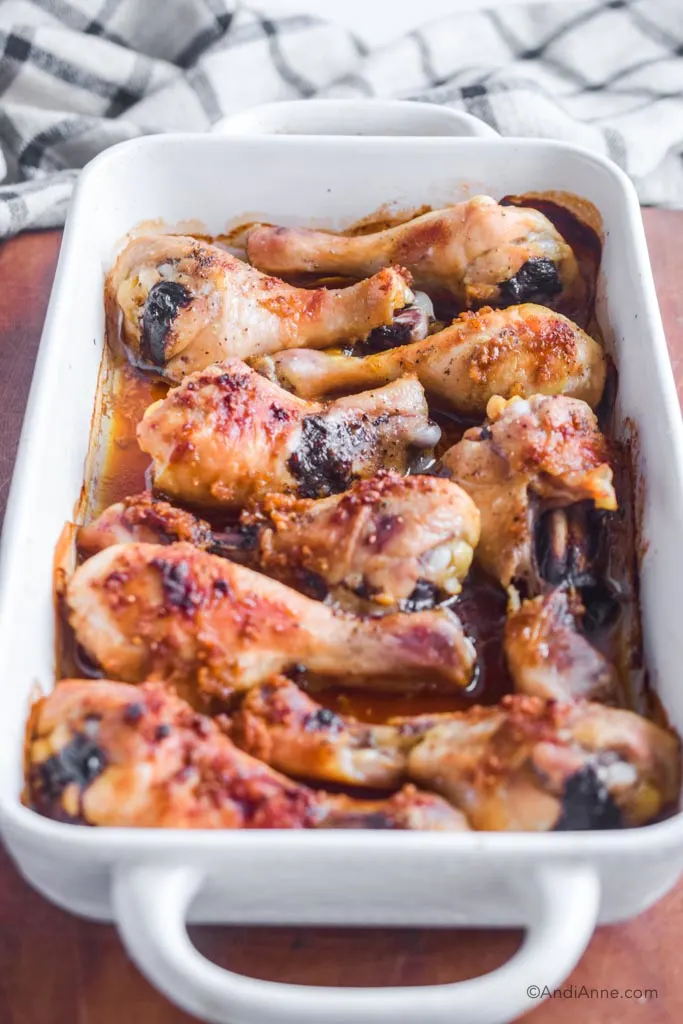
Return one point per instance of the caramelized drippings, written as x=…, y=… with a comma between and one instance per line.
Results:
x=124, y=465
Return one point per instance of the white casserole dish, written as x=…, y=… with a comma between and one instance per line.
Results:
x=149, y=882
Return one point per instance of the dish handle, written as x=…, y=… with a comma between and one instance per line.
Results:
x=353, y=117
x=150, y=907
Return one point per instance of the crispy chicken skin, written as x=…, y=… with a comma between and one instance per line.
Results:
x=387, y=541
x=103, y=753
x=227, y=436
x=281, y=725
x=144, y=611
x=525, y=764
x=476, y=252
x=535, y=765
x=542, y=452
x=390, y=541
x=145, y=518
x=549, y=658
x=184, y=304
x=523, y=350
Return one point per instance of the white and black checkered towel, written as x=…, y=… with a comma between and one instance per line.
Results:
x=77, y=76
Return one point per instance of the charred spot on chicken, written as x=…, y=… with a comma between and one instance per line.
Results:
x=78, y=764
x=425, y=595
x=323, y=459
x=177, y=585
x=587, y=804
x=323, y=719
x=602, y=607
x=537, y=280
x=161, y=307
x=410, y=324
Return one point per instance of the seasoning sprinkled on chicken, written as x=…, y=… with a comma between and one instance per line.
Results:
x=227, y=437
x=144, y=611
x=184, y=304
x=478, y=253
x=524, y=350
x=109, y=754
x=531, y=454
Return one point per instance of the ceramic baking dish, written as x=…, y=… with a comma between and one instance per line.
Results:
x=150, y=882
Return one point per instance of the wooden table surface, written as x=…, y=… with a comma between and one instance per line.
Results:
x=57, y=969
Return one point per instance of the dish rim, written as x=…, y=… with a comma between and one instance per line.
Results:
x=18, y=819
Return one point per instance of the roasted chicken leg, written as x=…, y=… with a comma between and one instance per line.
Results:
x=145, y=518
x=549, y=657
x=524, y=350
x=103, y=753
x=477, y=252
x=526, y=764
x=531, y=454
x=226, y=437
x=388, y=541
x=281, y=725
x=144, y=611
x=535, y=765
x=183, y=304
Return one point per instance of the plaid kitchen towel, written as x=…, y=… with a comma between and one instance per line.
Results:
x=77, y=76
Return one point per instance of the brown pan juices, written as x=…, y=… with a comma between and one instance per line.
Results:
x=124, y=465
x=121, y=470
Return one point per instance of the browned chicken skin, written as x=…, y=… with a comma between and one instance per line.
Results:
x=227, y=437
x=145, y=518
x=103, y=753
x=542, y=452
x=549, y=658
x=526, y=764
x=477, y=252
x=144, y=611
x=523, y=350
x=281, y=725
x=534, y=765
x=388, y=541
x=184, y=304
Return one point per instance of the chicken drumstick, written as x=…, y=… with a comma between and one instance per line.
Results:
x=227, y=437
x=526, y=764
x=549, y=658
x=184, y=304
x=388, y=541
x=476, y=252
x=545, y=452
x=103, y=753
x=144, y=611
x=524, y=350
